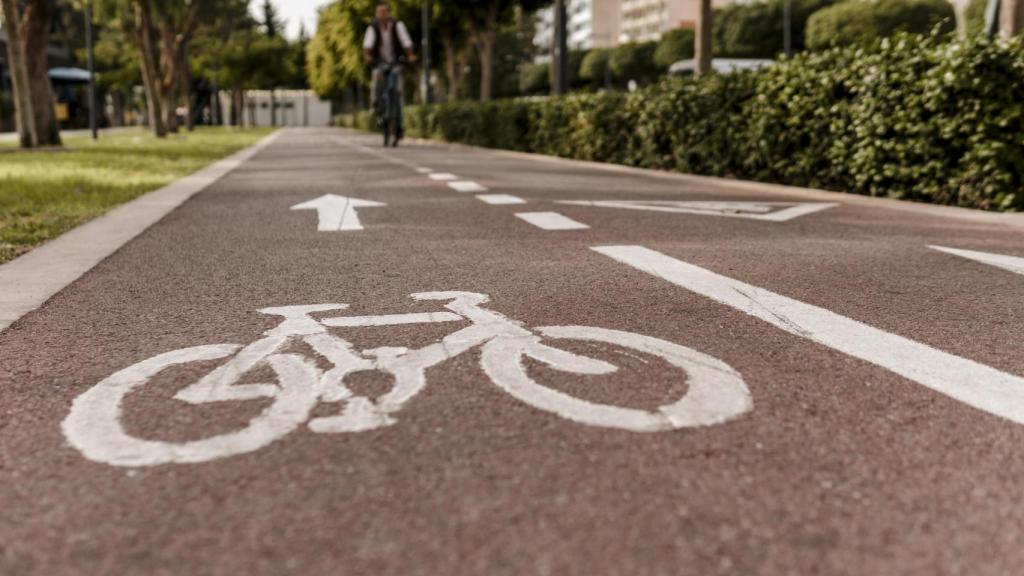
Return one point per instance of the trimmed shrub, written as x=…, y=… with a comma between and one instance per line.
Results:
x=594, y=68
x=675, y=45
x=755, y=30
x=634, y=61
x=911, y=117
x=860, y=22
x=535, y=79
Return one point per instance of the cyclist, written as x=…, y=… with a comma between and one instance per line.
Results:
x=382, y=48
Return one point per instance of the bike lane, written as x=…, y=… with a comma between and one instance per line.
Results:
x=841, y=466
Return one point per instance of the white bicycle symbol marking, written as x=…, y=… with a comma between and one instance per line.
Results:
x=715, y=392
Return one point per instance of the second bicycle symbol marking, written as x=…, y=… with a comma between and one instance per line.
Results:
x=715, y=393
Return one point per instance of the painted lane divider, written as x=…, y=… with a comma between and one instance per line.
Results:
x=972, y=383
x=551, y=221
x=422, y=170
x=1010, y=263
x=500, y=199
x=466, y=186
x=337, y=213
x=767, y=211
x=443, y=177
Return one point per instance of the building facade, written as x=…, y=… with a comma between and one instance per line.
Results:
x=645, y=20
x=591, y=24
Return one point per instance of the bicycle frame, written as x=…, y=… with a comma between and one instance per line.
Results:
x=406, y=367
x=390, y=105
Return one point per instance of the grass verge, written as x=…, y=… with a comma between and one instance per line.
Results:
x=44, y=194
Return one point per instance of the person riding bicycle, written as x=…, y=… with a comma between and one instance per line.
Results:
x=382, y=48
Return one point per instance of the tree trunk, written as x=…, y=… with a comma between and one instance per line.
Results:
x=1011, y=18
x=702, y=48
x=168, y=82
x=185, y=85
x=487, y=66
x=236, y=107
x=162, y=56
x=455, y=63
x=148, y=59
x=36, y=22
x=117, y=100
x=23, y=105
x=483, y=36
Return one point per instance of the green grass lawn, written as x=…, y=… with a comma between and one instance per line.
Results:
x=44, y=194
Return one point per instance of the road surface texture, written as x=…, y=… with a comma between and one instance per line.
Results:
x=803, y=386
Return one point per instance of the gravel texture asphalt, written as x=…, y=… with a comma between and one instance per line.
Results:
x=840, y=467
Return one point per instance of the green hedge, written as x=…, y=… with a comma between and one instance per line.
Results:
x=865, y=21
x=914, y=118
x=755, y=29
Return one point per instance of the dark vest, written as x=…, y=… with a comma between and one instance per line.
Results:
x=379, y=40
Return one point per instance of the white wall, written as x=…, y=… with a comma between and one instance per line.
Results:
x=294, y=108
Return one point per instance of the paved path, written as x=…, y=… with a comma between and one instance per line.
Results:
x=769, y=384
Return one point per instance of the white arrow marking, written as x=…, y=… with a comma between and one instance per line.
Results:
x=1011, y=263
x=970, y=382
x=767, y=211
x=337, y=212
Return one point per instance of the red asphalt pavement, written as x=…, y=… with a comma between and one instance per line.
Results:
x=826, y=394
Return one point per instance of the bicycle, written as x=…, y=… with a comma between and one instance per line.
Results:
x=715, y=392
x=389, y=103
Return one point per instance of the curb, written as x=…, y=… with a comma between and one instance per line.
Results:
x=35, y=277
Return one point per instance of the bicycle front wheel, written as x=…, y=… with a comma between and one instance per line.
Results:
x=94, y=424
x=716, y=393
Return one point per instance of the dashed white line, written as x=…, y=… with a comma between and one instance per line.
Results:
x=423, y=170
x=551, y=221
x=1011, y=263
x=970, y=382
x=500, y=199
x=466, y=186
x=443, y=177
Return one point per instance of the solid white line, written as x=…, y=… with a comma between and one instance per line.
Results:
x=551, y=221
x=29, y=281
x=500, y=199
x=443, y=177
x=1011, y=263
x=466, y=186
x=977, y=385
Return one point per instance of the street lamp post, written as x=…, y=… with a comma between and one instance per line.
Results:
x=702, y=50
x=787, y=27
x=992, y=17
x=93, y=125
x=426, y=52
x=561, y=49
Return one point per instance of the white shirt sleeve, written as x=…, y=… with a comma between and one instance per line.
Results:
x=403, y=36
x=370, y=39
